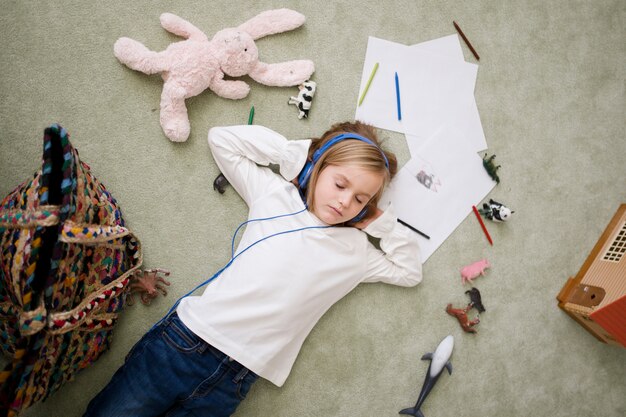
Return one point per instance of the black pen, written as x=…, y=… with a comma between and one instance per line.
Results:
x=414, y=229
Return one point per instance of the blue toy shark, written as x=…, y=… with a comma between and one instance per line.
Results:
x=438, y=360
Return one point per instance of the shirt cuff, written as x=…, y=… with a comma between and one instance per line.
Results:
x=384, y=224
x=294, y=157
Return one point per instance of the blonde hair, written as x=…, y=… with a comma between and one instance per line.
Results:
x=351, y=152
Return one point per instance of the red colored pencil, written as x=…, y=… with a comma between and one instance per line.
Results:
x=480, y=220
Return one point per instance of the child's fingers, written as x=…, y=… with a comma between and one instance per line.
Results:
x=373, y=214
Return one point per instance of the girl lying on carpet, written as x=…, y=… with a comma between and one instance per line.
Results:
x=304, y=248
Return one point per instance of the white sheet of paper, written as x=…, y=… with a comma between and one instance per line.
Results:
x=444, y=93
x=447, y=46
x=436, y=189
x=379, y=105
x=450, y=47
x=435, y=87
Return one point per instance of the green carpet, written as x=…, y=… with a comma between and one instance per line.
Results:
x=551, y=96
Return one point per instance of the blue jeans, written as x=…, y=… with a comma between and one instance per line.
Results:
x=171, y=372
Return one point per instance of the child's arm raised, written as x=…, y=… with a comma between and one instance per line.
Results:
x=399, y=260
x=239, y=149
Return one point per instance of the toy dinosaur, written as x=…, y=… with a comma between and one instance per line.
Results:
x=491, y=167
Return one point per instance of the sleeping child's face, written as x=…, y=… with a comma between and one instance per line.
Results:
x=342, y=191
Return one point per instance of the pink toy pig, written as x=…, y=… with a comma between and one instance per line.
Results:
x=469, y=272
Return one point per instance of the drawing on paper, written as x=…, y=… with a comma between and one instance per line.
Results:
x=427, y=178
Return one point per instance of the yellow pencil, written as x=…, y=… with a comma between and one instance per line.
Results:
x=367, y=86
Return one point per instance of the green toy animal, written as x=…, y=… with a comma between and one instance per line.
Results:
x=491, y=167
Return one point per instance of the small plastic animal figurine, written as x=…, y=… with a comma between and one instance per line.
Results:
x=461, y=316
x=147, y=283
x=476, y=299
x=219, y=183
x=495, y=211
x=438, y=361
x=305, y=98
x=469, y=272
x=491, y=167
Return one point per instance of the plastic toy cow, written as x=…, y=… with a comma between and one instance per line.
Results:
x=305, y=98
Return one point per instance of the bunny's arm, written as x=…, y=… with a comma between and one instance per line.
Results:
x=283, y=74
x=179, y=26
x=231, y=89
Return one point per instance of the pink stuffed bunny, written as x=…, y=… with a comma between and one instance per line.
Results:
x=191, y=66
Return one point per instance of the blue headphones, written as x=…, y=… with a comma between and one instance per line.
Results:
x=305, y=174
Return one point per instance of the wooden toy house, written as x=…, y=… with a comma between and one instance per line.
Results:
x=596, y=296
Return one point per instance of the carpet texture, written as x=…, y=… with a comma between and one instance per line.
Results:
x=551, y=95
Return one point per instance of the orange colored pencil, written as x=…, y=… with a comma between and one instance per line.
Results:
x=482, y=224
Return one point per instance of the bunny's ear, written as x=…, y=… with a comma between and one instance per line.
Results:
x=271, y=22
x=284, y=74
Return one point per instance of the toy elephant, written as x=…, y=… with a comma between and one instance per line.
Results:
x=191, y=66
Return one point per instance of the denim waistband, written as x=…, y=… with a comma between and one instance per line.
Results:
x=230, y=362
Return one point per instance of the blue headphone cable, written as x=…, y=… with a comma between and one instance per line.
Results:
x=233, y=256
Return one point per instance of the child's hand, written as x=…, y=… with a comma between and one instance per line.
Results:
x=373, y=214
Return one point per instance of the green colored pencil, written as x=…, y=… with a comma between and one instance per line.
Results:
x=251, y=115
x=367, y=86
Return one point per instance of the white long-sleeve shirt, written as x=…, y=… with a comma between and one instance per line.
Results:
x=262, y=307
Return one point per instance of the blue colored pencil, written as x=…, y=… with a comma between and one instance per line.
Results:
x=398, y=97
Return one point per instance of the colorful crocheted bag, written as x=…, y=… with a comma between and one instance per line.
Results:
x=66, y=260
